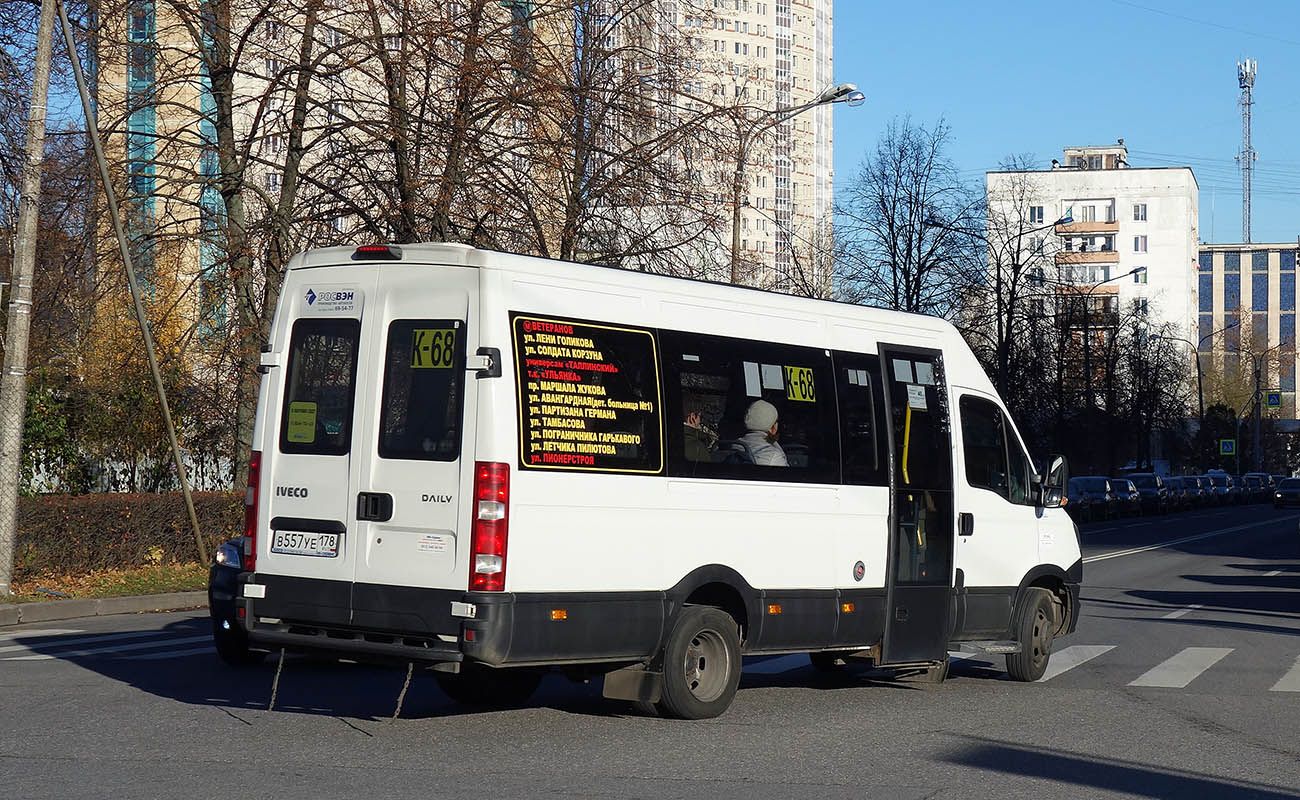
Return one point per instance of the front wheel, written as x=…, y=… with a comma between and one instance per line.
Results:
x=1034, y=627
x=701, y=664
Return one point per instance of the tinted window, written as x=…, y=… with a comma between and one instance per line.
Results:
x=423, y=373
x=1093, y=484
x=1144, y=481
x=764, y=411
x=588, y=396
x=1290, y=483
x=862, y=415
x=984, y=445
x=321, y=378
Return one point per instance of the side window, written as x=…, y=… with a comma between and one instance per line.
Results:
x=995, y=459
x=320, y=381
x=864, y=441
x=984, y=445
x=421, y=413
x=589, y=396
x=749, y=410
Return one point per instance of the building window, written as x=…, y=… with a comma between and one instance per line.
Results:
x=1231, y=293
x=1259, y=332
x=1259, y=260
x=1205, y=261
x=1089, y=213
x=1286, y=331
x=1232, y=261
x=1139, y=244
x=1110, y=212
x=1259, y=292
x=1140, y=306
x=1286, y=260
x=1286, y=292
x=1141, y=275
x=1205, y=327
x=1139, y=212
x=1205, y=293
x=1036, y=215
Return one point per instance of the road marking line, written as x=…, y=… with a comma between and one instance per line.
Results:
x=1290, y=681
x=1182, y=612
x=1181, y=669
x=95, y=651
x=1219, y=532
x=1071, y=657
x=193, y=651
x=113, y=637
x=37, y=634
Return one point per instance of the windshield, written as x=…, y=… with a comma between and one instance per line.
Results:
x=1219, y=480
x=1144, y=481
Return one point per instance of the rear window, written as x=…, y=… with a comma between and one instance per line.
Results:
x=1144, y=481
x=424, y=369
x=322, y=375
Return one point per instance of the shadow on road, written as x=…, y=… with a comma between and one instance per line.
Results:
x=1113, y=775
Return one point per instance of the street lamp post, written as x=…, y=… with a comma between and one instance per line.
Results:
x=840, y=93
x=1196, y=354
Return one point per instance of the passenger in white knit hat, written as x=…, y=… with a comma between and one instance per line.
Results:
x=761, y=423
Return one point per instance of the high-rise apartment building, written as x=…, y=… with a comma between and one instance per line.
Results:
x=766, y=57
x=1130, y=242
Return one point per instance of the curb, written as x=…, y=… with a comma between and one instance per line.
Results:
x=53, y=610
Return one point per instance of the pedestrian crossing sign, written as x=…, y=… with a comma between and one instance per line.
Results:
x=1227, y=447
x=1273, y=400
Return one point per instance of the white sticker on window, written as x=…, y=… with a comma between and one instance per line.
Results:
x=689, y=357
x=752, y=385
x=773, y=377
x=902, y=371
x=916, y=397
x=924, y=373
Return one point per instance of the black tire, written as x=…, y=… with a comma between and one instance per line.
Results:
x=701, y=664
x=232, y=645
x=478, y=685
x=1034, y=626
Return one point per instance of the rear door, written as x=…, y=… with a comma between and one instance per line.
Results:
x=310, y=545
x=411, y=479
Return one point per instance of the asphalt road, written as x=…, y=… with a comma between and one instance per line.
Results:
x=1183, y=680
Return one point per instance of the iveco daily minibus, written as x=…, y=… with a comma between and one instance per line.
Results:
x=490, y=465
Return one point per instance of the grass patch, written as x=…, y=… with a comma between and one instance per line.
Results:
x=113, y=583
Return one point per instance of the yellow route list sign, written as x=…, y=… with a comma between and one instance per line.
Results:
x=433, y=348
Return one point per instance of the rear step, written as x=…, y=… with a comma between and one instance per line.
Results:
x=989, y=646
x=364, y=645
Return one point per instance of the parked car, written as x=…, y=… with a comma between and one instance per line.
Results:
x=1267, y=481
x=1220, y=491
x=1090, y=498
x=1127, y=498
x=1287, y=493
x=1254, y=490
x=1192, y=494
x=1152, y=492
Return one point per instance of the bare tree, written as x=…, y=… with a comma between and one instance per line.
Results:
x=911, y=224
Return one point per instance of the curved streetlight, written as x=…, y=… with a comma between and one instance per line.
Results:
x=846, y=93
x=1196, y=354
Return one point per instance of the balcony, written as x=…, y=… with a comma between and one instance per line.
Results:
x=1077, y=227
x=1087, y=257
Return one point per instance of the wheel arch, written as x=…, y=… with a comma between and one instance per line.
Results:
x=1056, y=581
x=721, y=587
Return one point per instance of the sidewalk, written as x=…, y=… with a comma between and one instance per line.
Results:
x=53, y=610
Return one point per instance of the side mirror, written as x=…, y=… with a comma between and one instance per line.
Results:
x=1053, y=486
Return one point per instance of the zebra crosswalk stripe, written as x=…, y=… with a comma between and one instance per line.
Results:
x=95, y=651
x=1290, y=681
x=112, y=637
x=1182, y=668
x=37, y=634
x=1071, y=657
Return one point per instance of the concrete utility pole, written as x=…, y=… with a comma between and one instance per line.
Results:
x=13, y=383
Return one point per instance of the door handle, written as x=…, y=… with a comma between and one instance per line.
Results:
x=965, y=523
x=374, y=506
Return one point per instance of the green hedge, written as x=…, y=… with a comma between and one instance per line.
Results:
x=73, y=534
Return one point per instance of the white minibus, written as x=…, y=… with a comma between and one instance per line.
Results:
x=490, y=465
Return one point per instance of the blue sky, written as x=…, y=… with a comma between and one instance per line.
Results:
x=1022, y=77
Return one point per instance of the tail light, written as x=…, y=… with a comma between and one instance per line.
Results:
x=250, y=510
x=491, y=517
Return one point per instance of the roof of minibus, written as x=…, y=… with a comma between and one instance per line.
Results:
x=465, y=255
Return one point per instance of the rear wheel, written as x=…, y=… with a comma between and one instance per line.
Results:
x=701, y=664
x=478, y=685
x=1034, y=627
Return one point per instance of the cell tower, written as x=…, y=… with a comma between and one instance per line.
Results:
x=1246, y=71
